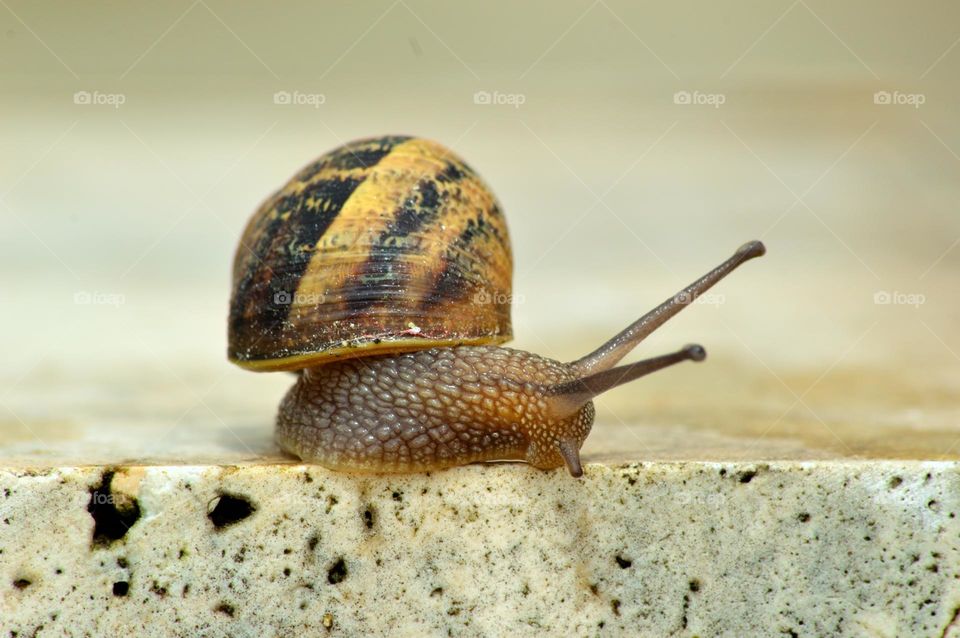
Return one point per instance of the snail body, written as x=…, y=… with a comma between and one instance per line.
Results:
x=428, y=409
x=382, y=272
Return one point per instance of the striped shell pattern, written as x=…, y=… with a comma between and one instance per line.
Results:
x=382, y=245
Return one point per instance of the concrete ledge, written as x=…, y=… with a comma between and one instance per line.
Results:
x=687, y=549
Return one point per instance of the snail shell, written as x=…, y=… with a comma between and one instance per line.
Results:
x=383, y=245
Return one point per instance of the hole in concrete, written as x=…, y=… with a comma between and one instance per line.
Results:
x=746, y=477
x=312, y=542
x=624, y=563
x=895, y=482
x=695, y=585
x=337, y=572
x=120, y=588
x=225, y=608
x=615, y=606
x=113, y=514
x=368, y=517
x=229, y=509
x=22, y=583
x=803, y=517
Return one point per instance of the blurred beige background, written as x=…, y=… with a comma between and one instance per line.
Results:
x=632, y=146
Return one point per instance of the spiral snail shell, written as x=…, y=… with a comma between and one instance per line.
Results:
x=382, y=272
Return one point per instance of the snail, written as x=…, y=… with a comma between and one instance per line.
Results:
x=382, y=274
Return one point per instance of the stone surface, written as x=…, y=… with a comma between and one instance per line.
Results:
x=134, y=502
x=686, y=549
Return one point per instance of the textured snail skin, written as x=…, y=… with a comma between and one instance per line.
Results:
x=432, y=409
x=440, y=407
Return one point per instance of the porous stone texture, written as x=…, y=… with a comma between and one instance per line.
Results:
x=787, y=548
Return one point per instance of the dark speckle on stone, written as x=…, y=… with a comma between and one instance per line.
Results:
x=895, y=482
x=229, y=509
x=337, y=572
x=312, y=542
x=113, y=514
x=331, y=501
x=225, y=608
